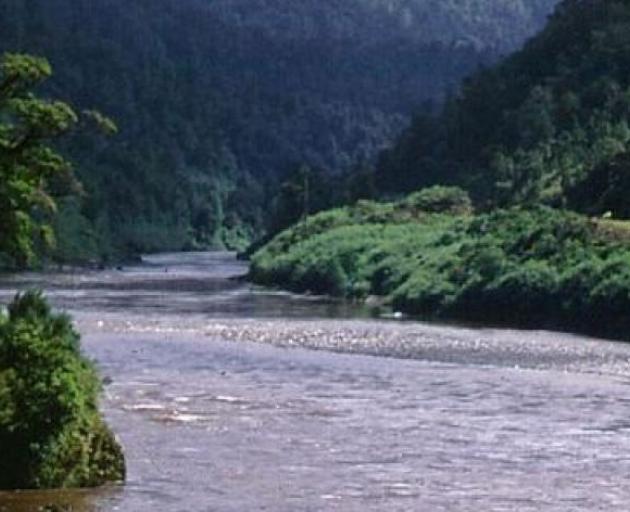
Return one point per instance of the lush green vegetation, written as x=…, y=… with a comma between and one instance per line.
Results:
x=218, y=101
x=51, y=432
x=547, y=125
x=530, y=266
x=32, y=174
x=543, y=132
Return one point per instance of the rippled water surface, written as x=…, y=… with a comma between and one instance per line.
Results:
x=232, y=398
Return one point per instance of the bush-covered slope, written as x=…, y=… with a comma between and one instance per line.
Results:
x=217, y=99
x=522, y=266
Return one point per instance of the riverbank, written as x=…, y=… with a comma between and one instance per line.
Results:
x=209, y=382
x=533, y=268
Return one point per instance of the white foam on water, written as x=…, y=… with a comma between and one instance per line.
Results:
x=144, y=407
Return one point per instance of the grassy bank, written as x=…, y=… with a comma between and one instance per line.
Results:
x=534, y=267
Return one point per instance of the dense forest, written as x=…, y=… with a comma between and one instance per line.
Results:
x=217, y=103
x=499, y=24
x=549, y=124
x=537, y=235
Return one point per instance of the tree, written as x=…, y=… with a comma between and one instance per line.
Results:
x=51, y=432
x=32, y=173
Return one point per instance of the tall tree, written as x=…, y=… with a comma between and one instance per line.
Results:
x=32, y=172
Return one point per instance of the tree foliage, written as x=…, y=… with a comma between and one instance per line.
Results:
x=30, y=169
x=541, y=126
x=51, y=432
x=33, y=173
x=217, y=101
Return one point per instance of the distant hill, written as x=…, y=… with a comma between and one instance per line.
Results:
x=218, y=99
x=549, y=124
x=499, y=24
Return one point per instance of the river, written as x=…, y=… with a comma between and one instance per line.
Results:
x=227, y=397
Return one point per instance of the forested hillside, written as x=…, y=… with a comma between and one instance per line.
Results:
x=499, y=24
x=536, y=138
x=549, y=124
x=217, y=100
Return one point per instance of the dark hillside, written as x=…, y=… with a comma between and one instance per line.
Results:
x=217, y=100
x=545, y=125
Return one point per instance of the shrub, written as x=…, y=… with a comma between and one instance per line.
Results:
x=523, y=294
x=424, y=293
x=439, y=199
x=610, y=296
x=525, y=266
x=537, y=232
x=51, y=432
x=322, y=276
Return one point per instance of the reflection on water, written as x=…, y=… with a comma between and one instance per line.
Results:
x=478, y=420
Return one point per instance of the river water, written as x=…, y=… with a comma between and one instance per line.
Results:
x=227, y=397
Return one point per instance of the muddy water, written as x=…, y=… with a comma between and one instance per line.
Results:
x=232, y=398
